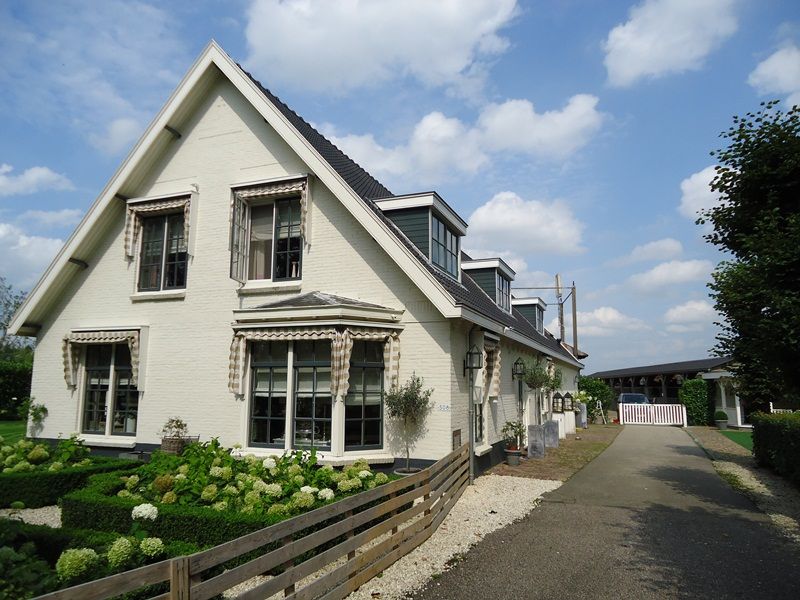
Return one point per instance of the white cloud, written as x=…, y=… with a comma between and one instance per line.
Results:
x=51, y=218
x=30, y=181
x=662, y=37
x=24, y=257
x=528, y=227
x=79, y=64
x=696, y=194
x=673, y=328
x=693, y=311
x=657, y=250
x=671, y=273
x=779, y=74
x=441, y=147
x=119, y=135
x=600, y=322
x=337, y=47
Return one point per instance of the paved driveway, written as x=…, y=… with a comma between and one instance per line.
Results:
x=649, y=518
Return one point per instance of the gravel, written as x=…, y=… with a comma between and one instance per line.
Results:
x=47, y=515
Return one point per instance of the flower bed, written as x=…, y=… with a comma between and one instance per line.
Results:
x=39, y=475
x=207, y=496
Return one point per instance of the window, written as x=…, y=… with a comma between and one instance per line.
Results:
x=479, y=421
x=106, y=363
x=268, y=377
x=539, y=319
x=444, y=247
x=503, y=292
x=163, y=259
x=312, y=394
x=363, y=411
x=266, y=242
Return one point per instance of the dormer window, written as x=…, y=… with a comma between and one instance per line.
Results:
x=503, y=292
x=540, y=319
x=533, y=311
x=444, y=247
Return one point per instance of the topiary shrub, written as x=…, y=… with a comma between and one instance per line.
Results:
x=720, y=415
x=693, y=394
x=776, y=442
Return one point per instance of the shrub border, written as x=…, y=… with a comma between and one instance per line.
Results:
x=776, y=443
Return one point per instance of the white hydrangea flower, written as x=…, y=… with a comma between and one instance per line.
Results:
x=365, y=474
x=145, y=512
x=273, y=489
x=309, y=490
x=215, y=471
x=269, y=463
x=326, y=494
x=180, y=476
x=260, y=486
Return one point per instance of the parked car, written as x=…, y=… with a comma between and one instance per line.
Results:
x=630, y=398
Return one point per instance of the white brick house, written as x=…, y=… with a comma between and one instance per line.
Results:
x=233, y=249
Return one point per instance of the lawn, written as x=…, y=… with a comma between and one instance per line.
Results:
x=12, y=431
x=743, y=438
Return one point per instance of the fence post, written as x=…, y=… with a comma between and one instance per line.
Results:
x=683, y=414
x=621, y=414
x=179, y=583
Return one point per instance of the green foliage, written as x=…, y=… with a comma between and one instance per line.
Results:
x=44, y=486
x=776, y=443
x=694, y=394
x=758, y=224
x=538, y=377
x=513, y=432
x=596, y=390
x=33, y=413
x=23, y=575
x=410, y=404
x=720, y=415
x=175, y=427
x=15, y=385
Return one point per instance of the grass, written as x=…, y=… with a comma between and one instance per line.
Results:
x=12, y=431
x=743, y=438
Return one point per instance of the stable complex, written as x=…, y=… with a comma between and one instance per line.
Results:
x=242, y=273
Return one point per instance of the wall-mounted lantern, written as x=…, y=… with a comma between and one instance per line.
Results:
x=558, y=403
x=473, y=360
x=643, y=381
x=518, y=368
x=568, y=405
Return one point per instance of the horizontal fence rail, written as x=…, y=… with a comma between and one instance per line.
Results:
x=366, y=533
x=652, y=414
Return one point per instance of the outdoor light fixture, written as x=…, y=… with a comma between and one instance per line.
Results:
x=643, y=381
x=558, y=403
x=518, y=369
x=568, y=401
x=474, y=359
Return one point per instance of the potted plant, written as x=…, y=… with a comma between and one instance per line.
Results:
x=409, y=404
x=513, y=432
x=174, y=435
x=721, y=419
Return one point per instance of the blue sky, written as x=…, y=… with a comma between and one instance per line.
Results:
x=574, y=136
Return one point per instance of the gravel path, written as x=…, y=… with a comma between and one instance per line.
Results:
x=47, y=515
x=773, y=495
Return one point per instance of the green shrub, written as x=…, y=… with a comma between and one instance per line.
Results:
x=45, y=487
x=720, y=415
x=23, y=575
x=15, y=385
x=598, y=390
x=693, y=394
x=776, y=443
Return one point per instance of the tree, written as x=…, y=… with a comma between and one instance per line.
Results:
x=599, y=390
x=757, y=222
x=10, y=301
x=16, y=356
x=409, y=403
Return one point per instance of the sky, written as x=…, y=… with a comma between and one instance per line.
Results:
x=573, y=136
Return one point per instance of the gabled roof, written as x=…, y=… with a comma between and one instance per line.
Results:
x=687, y=366
x=346, y=179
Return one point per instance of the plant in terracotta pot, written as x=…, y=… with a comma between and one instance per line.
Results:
x=513, y=433
x=409, y=404
x=174, y=435
x=721, y=419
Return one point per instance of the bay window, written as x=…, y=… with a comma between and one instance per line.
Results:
x=313, y=410
x=268, y=377
x=363, y=411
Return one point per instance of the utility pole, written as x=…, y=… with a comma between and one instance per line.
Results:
x=574, y=322
x=560, y=302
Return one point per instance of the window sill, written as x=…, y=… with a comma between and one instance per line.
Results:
x=482, y=449
x=164, y=295
x=267, y=287
x=109, y=441
x=324, y=457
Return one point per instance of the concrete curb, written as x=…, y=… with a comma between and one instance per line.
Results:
x=707, y=452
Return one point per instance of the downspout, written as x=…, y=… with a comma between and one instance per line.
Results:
x=471, y=413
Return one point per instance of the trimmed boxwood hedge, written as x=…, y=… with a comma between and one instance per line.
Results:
x=44, y=488
x=776, y=442
x=96, y=506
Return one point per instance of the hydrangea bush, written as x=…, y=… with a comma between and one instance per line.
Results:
x=26, y=455
x=209, y=475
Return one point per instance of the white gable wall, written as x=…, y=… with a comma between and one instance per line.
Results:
x=224, y=144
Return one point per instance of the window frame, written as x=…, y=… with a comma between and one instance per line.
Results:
x=502, y=292
x=272, y=365
x=110, y=409
x=442, y=247
x=314, y=364
x=361, y=367
x=163, y=261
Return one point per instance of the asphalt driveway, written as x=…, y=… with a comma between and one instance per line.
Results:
x=649, y=518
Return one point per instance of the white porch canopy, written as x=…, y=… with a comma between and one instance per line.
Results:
x=75, y=338
x=137, y=210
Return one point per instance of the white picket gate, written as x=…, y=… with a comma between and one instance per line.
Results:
x=652, y=414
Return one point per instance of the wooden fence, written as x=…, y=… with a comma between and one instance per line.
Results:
x=384, y=523
x=652, y=414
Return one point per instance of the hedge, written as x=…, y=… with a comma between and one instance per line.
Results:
x=776, y=442
x=694, y=394
x=15, y=382
x=44, y=488
x=96, y=506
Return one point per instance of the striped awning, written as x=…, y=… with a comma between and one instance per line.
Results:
x=280, y=188
x=341, y=350
x=491, y=364
x=136, y=210
x=131, y=337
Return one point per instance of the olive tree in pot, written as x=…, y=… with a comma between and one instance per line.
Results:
x=721, y=419
x=174, y=435
x=409, y=404
x=513, y=433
